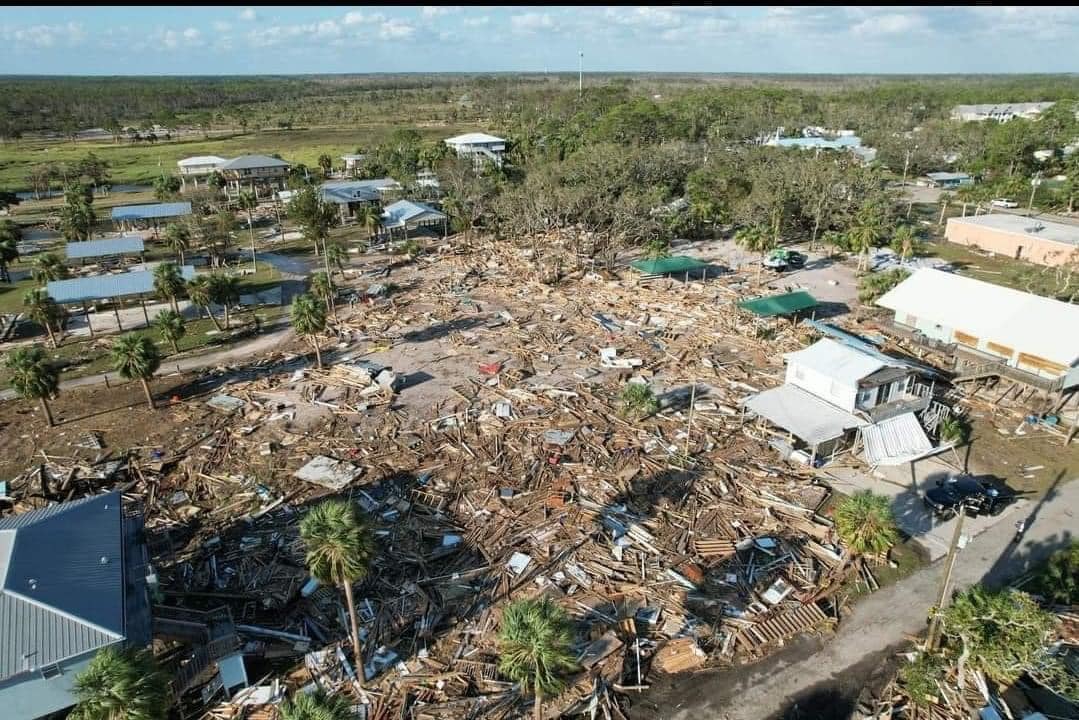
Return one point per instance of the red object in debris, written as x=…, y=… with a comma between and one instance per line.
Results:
x=491, y=368
x=175, y=398
x=692, y=572
x=554, y=459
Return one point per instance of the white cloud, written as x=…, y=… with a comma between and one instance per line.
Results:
x=532, y=22
x=891, y=24
x=222, y=27
x=248, y=14
x=430, y=12
x=176, y=39
x=476, y=21
x=46, y=36
x=354, y=18
x=395, y=28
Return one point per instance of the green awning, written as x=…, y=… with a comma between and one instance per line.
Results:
x=785, y=304
x=673, y=264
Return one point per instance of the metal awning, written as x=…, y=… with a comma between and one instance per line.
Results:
x=785, y=304
x=673, y=264
x=895, y=441
x=804, y=415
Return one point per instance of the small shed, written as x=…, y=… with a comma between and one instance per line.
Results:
x=786, y=304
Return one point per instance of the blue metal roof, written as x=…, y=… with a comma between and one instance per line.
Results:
x=62, y=575
x=846, y=141
x=150, y=212
x=407, y=211
x=128, y=245
x=102, y=287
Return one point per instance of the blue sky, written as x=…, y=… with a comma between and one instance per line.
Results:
x=340, y=39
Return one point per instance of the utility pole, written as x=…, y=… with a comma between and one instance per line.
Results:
x=906, y=164
x=580, y=74
x=932, y=639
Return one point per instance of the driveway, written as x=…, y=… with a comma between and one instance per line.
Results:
x=906, y=485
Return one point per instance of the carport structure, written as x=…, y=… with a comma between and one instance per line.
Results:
x=106, y=248
x=126, y=217
x=790, y=303
x=114, y=288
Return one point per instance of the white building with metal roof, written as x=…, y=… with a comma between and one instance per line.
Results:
x=479, y=146
x=1035, y=334
x=197, y=167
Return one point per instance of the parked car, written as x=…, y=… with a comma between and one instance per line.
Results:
x=781, y=259
x=1004, y=203
x=979, y=495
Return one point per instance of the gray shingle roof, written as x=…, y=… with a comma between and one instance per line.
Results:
x=127, y=245
x=61, y=583
x=249, y=162
x=102, y=287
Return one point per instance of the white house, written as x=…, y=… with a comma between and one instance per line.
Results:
x=1035, y=335
x=834, y=390
x=479, y=146
x=201, y=166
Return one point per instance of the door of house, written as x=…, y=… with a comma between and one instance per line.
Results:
x=1018, y=252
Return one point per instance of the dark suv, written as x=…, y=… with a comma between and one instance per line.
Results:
x=979, y=495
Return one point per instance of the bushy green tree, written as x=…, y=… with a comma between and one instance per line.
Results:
x=135, y=357
x=170, y=324
x=121, y=685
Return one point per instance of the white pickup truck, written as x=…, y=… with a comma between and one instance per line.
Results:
x=1004, y=203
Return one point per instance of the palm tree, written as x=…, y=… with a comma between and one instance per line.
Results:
x=315, y=706
x=755, y=239
x=32, y=377
x=309, y=319
x=340, y=547
x=10, y=234
x=136, y=357
x=168, y=283
x=224, y=290
x=171, y=325
x=369, y=219
x=534, y=645
x=336, y=257
x=43, y=310
x=121, y=685
x=865, y=522
x=48, y=267
x=322, y=288
x=944, y=199
x=326, y=163
x=198, y=289
x=903, y=241
x=249, y=202
x=179, y=239
x=864, y=236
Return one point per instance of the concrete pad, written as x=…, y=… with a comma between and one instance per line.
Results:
x=907, y=487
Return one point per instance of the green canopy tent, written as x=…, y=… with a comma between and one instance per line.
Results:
x=785, y=304
x=668, y=265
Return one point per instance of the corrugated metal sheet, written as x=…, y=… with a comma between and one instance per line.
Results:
x=784, y=304
x=673, y=264
x=103, y=248
x=797, y=411
x=1029, y=323
x=895, y=441
x=151, y=212
x=63, y=582
x=102, y=287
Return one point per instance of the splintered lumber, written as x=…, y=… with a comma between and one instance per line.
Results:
x=712, y=548
x=785, y=625
x=678, y=655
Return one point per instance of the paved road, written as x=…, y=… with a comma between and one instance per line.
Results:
x=243, y=351
x=831, y=673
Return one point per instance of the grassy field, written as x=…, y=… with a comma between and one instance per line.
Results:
x=139, y=164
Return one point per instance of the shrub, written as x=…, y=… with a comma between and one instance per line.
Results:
x=638, y=400
x=865, y=523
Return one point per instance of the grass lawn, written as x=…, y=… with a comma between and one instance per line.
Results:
x=139, y=164
x=1001, y=270
x=79, y=358
x=11, y=295
x=36, y=212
